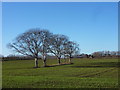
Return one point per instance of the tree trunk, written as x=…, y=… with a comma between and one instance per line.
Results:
x=44, y=62
x=65, y=60
x=36, y=62
x=70, y=60
x=58, y=60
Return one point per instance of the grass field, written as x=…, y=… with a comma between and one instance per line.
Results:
x=84, y=73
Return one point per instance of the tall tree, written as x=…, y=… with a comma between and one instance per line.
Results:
x=45, y=39
x=29, y=44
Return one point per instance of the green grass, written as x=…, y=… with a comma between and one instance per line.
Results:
x=84, y=73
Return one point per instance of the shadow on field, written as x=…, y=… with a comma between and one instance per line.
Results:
x=54, y=65
x=99, y=65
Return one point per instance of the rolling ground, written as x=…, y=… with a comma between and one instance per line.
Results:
x=84, y=73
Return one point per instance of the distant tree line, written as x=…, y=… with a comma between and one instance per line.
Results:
x=22, y=57
x=99, y=54
x=16, y=57
x=39, y=43
x=106, y=54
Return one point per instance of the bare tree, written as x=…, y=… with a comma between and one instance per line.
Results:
x=70, y=49
x=45, y=38
x=98, y=54
x=37, y=42
x=29, y=44
x=57, y=45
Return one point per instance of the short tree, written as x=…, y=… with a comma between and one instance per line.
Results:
x=57, y=45
x=70, y=49
x=98, y=54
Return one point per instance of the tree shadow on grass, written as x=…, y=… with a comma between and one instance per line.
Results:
x=54, y=65
x=99, y=65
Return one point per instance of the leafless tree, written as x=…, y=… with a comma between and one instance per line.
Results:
x=57, y=45
x=70, y=49
x=98, y=54
x=29, y=44
x=45, y=39
x=37, y=42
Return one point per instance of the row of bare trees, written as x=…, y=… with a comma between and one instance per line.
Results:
x=40, y=43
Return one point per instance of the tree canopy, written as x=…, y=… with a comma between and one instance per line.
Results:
x=39, y=42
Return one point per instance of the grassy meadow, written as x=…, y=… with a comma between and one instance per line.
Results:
x=84, y=73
